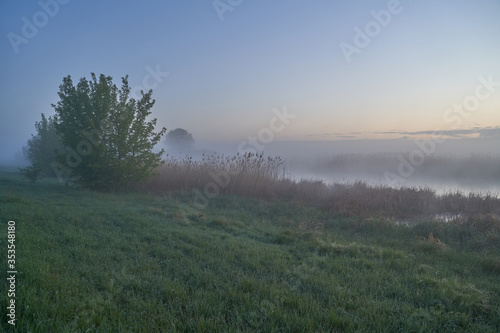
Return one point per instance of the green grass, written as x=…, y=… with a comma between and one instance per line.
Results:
x=130, y=262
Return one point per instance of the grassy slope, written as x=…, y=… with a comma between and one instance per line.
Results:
x=93, y=262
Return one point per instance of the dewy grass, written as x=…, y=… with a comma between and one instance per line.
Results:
x=132, y=262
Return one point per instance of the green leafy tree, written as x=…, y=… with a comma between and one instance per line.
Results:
x=41, y=150
x=108, y=140
x=179, y=138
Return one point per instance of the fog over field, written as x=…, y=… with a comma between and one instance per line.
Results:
x=411, y=86
x=455, y=165
x=250, y=166
x=306, y=79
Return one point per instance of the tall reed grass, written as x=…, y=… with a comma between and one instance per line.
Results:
x=256, y=175
x=247, y=175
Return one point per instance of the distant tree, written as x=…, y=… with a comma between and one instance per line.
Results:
x=41, y=149
x=108, y=141
x=179, y=138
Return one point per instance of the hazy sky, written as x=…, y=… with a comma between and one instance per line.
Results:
x=344, y=69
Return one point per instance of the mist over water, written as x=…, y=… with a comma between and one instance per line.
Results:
x=440, y=187
x=458, y=166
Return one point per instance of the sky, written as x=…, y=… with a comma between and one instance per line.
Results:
x=280, y=71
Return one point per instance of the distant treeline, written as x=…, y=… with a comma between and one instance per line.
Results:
x=443, y=166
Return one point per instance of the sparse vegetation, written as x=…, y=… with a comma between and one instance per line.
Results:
x=136, y=262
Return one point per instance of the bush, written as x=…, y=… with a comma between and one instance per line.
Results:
x=41, y=150
x=32, y=172
x=108, y=142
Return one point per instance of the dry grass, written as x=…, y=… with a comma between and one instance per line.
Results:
x=254, y=175
x=247, y=175
x=430, y=244
x=485, y=223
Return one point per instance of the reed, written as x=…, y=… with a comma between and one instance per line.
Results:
x=255, y=175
